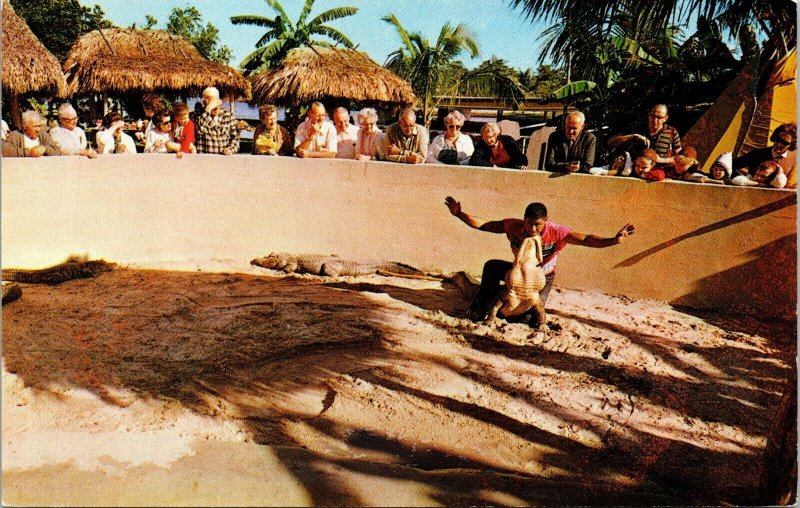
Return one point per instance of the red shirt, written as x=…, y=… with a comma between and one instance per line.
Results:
x=500, y=157
x=554, y=239
x=188, y=137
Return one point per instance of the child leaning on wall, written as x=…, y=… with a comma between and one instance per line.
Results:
x=719, y=173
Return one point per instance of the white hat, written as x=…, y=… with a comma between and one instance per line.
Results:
x=725, y=160
x=628, y=165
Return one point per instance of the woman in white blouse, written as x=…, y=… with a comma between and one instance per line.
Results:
x=452, y=147
x=112, y=139
x=160, y=139
x=369, y=141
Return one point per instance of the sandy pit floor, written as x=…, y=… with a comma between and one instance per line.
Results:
x=195, y=388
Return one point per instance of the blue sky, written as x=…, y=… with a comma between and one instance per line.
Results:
x=500, y=30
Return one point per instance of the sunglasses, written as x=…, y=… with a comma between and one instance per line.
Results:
x=454, y=126
x=783, y=142
x=75, y=119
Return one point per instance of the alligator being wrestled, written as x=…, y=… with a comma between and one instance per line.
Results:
x=72, y=268
x=333, y=265
x=523, y=282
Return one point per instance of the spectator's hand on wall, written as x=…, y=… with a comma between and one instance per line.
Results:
x=36, y=151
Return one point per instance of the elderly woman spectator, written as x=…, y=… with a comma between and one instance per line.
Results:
x=160, y=138
x=33, y=141
x=112, y=138
x=782, y=152
x=70, y=137
x=369, y=142
x=452, y=147
x=183, y=127
x=497, y=150
x=270, y=138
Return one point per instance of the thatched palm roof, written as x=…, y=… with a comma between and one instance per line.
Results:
x=309, y=75
x=27, y=65
x=121, y=60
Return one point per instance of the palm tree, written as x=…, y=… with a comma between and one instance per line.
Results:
x=283, y=35
x=777, y=18
x=434, y=71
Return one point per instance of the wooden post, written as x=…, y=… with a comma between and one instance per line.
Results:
x=230, y=100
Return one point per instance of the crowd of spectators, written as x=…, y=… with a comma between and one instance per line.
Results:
x=653, y=152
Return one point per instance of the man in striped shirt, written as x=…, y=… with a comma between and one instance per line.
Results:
x=554, y=239
x=659, y=136
x=216, y=129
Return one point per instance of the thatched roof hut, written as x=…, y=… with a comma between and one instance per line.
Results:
x=122, y=60
x=27, y=65
x=315, y=74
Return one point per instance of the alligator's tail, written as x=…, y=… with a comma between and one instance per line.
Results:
x=399, y=268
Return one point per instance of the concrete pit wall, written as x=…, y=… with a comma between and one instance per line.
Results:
x=696, y=245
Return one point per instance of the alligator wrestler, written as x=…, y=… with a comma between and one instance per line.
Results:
x=554, y=239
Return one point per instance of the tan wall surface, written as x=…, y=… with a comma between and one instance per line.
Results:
x=695, y=245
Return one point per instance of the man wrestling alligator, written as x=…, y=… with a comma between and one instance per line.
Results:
x=554, y=239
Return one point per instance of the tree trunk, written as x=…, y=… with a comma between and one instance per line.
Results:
x=778, y=485
x=16, y=113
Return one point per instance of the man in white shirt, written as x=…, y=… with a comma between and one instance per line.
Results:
x=346, y=134
x=315, y=138
x=32, y=141
x=68, y=135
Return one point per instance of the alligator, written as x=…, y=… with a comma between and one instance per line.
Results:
x=333, y=265
x=523, y=280
x=72, y=268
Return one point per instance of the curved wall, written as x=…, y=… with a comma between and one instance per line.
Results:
x=696, y=245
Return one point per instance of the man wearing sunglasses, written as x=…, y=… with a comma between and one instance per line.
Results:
x=68, y=135
x=783, y=152
x=659, y=136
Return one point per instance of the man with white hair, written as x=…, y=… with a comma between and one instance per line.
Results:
x=68, y=135
x=216, y=129
x=315, y=137
x=406, y=141
x=346, y=134
x=33, y=141
x=571, y=148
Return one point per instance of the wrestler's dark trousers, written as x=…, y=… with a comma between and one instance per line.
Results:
x=492, y=281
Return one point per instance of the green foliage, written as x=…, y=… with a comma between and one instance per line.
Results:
x=59, y=23
x=283, y=35
x=433, y=69
x=573, y=90
x=188, y=23
x=545, y=81
x=150, y=22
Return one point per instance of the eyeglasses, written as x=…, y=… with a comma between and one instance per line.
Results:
x=653, y=115
x=781, y=141
x=73, y=119
x=454, y=126
x=166, y=122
